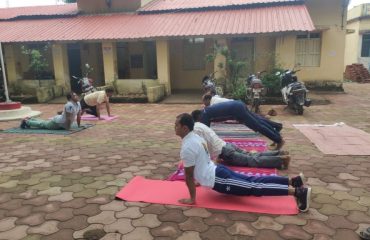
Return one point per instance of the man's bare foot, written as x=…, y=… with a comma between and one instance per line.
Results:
x=285, y=162
x=280, y=145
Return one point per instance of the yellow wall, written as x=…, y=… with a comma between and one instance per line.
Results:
x=352, y=50
x=110, y=61
x=125, y=86
x=264, y=53
x=95, y=6
x=61, y=67
x=187, y=79
x=163, y=65
x=326, y=15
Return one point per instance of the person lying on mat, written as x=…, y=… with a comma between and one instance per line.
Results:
x=71, y=113
x=210, y=99
x=236, y=110
x=93, y=102
x=199, y=166
x=232, y=155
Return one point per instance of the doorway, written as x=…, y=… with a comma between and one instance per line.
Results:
x=74, y=62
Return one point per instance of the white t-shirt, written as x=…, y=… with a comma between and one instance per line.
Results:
x=70, y=107
x=194, y=152
x=217, y=99
x=95, y=98
x=214, y=143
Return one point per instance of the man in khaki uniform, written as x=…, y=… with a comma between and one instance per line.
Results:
x=91, y=103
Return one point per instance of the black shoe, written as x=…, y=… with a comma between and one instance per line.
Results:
x=298, y=181
x=24, y=124
x=279, y=127
x=303, y=196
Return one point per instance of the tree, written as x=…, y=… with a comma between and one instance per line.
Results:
x=38, y=64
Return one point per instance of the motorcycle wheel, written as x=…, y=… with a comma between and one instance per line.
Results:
x=299, y=110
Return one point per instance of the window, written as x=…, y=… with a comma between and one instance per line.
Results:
x=365, y=51
x=308, y=50
x=193, y=54
x=136, y=61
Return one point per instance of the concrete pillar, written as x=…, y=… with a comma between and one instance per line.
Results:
x=220, y=60
x=163, y=64
x=10, y=65
x=61, y=67
x=110, y=62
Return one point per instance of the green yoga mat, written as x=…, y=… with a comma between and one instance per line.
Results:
x=74, y=129
x=237, y=134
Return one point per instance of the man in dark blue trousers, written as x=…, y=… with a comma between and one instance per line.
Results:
x=236, y=110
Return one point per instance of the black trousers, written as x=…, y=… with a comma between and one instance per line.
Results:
x=89, y=109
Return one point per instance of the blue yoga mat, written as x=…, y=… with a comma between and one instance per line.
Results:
x=74, y=129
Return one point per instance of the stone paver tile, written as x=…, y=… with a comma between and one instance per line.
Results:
x=21, y=212
x=242, y=228
x=74, y=203
x=96, y=185
x=31, y=220
x=148, y=220
x=314, y=215
x=32, y=237
x=41, y=186
x=131, y=212
x=105, y=217
x=329, y=209
x=315, y=227
x=117, y=182
x=189, y=235
x=338, y=187
x=294, y=220
x=82, y=170
x=88, y=210
x=122, y=226
x=294, y=232
x=86, y=180
x=197, y=212
x=322, y=189
x=345, y=234
x=111, y=190
x=7, y=223
x=323, y=198
x=364, y=201
x=136, y=204
x=340, y=222
x=80, y=233
x=358, y=217
x=105, y=178
x=62, y=214
x=172, y=215
x=46, y=228
x=63, y=197
x=64, y=234
x=50, y=207
x=9, y=184
x=113, y=206
x=315, y=182
x=347, y=176
x=37, y=201
x=76, y=223
x=102, y=199
x=53, y=191
x=86, y=193
x=28, y=194
x=194, y=224
x=215, y=233
x=350, y=205
x=166, y=229
x=73, y=188
x=140, y=233
x=265, y=222
x=15, y=233
x=344, y=195
x=112, y=236
x=54, y=178
x=5, y=197
x=267, y=235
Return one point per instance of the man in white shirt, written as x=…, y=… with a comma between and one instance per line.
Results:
x=199, y=166
x=71, y=113
x=93, y=102
x=232, y=155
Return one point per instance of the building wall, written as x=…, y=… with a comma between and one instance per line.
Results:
x=96, y=6
x=186, y=79
x=264, y=53
x=327, y=17
x=353, y=44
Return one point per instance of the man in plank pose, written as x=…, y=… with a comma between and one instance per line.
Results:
x=199, y=166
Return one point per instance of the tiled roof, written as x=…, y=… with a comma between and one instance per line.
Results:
x=185, y=24
x=177, y=5
x=22, y=12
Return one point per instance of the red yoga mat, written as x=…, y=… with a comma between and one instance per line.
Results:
x=140, y=189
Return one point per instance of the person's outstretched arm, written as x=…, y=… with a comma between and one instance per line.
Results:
x=69, y=121
x=107, y=105
x=79, y=118
x=189, y=178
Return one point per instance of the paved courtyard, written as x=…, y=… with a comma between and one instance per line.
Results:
x=63, y=187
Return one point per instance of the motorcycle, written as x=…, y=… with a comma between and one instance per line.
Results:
x=294, y=93
x=254, y=91
x=85, y=83
x=209, y=85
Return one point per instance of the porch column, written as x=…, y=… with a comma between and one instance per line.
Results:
x=110, y=62
x=61, y=67
x=10, y=65
x=163, y=64
x=220, y=60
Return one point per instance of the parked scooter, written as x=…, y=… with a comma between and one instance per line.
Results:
x=209, y=84
x=294, y=93
x=85, y=83
x=255, y=91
